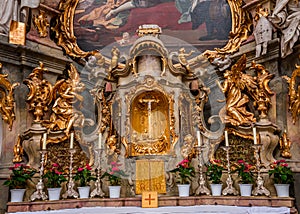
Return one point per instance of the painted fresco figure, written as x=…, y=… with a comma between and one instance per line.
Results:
x=285, y=17
x=15, y=10
x=216, y=16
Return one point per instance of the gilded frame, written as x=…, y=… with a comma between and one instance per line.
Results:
x=63, y=30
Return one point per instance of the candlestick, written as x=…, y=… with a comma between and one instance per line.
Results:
x=44, y=141
x=100, y=141
x=199, y=138
x=202, y=188
x=254, y=135
x=226, y=138
x=72, y=140
x=39, y=193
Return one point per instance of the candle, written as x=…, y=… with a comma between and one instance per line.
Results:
x=72, y=140
x=44, y=141
x=199, y=138
x=100, y=141
x=254, y=135
x=226, y=138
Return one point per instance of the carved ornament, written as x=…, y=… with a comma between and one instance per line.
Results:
x=241, y=24
x=137, y=100
x=7, y=102
x=263, y=95
x=285, y=146
x=40, y=92
x=41, y=23
x=294, y=94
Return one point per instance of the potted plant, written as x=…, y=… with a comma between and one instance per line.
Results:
x=114, y=175
x=18, y=180
x=84, y=176
x=246, y=177
x=282, y=176
x=185, y=172
x=53, y=179
x=214, y=173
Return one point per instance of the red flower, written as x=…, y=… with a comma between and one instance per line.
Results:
x=114, y=169
x=80, y=169
x=284, y=164
x=57, y=172
x=55, y=165
x=88, y=167
x=241, y=161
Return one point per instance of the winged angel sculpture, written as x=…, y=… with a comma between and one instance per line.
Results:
x=235, y=85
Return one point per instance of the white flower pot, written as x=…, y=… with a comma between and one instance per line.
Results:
x=245, y=189
x=84, y=192
x=54, y=193
x=183, y=190
x=216, y=189
x=114, y=191
x=282, y=190
x=16, y=195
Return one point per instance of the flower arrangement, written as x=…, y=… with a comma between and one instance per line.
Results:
x=53, y=178
x=185, y=171
x=244, y=172
x=20, y=174
x=281, y=172
x=214, y=172
x=84, y=175
x=114, y=174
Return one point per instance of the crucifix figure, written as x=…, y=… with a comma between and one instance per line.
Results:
x=149, y=102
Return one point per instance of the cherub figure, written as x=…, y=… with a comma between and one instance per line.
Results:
x=182, y=57
x=115, y=55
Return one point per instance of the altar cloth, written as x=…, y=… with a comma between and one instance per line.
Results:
x=205, y=209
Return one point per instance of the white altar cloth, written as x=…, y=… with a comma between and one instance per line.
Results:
x=205, y=209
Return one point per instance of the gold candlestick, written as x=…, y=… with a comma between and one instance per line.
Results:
x=259, y=189
x=229, y=189
x=39, y=193
x=202, y=188
x=98, y=190
x=70, y=187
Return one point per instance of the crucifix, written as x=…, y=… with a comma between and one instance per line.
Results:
x=149, y=199
x=149, y=101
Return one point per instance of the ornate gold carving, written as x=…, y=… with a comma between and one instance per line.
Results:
x=263, y=95
x=112, y=150
x=64, y=114
x=140, y=139
x=41, y=23
x=7, y=101
x=40, y=94
x=235, y=84
x=148, y=30
x=241, y=24
x=294, y=95
x=64, y=31
x=18, y=151
x=285, y=145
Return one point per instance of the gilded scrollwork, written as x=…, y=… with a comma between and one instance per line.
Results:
x=7, y=102
x=235, y=87
x=40, y=95
x=241, y=27
x=65, y=114
x=285, y=145
x=142, y=139
x=263, y=94
x=294, y=94
x=64, y=31
x=18, y=151
x=41, y=23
